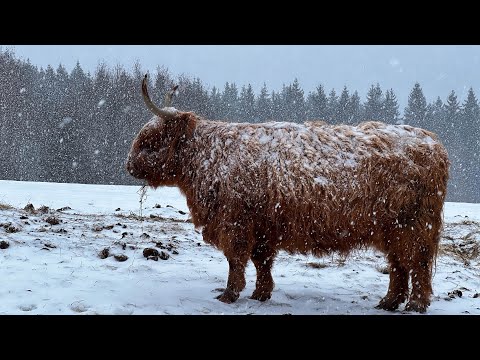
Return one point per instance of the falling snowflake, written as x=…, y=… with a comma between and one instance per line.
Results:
x=65, y=121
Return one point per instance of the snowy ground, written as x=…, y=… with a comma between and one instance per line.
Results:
x=51, y=268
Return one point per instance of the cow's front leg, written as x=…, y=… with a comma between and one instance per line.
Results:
x=236, y=280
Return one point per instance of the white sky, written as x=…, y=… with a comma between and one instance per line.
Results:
x=55, y=269
x=438, y=68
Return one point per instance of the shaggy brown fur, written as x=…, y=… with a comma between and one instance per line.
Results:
x=313, y=188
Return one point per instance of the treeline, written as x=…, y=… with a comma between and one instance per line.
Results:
x=77, y=127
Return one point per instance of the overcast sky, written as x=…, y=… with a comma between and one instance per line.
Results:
x=439, y=69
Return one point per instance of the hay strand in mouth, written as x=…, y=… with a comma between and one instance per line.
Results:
x=143, y=196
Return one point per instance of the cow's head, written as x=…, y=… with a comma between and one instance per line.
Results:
x=155, y=154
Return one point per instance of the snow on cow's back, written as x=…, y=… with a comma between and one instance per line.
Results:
x=312, y=151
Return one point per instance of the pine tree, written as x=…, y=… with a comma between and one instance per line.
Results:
x=138, y=110
x=193, y=96
x=296, y=102
x=163, y=83
x=277, y=106
x=416, y=109
x=63, y=120
x=374, y=104
x=452, y=114
x=215, y=104
x=470, y=151
x=264, y=106
x=230, y=102
x=247, y=104
x=28, y=120
x=280, y=104
x=435, y=118
x=125, y=89
x=49, y=130
x=343, y=109
x=332, y=106
x=391, y=114
x=453, y=142
x=355, y=110
x=317, y=104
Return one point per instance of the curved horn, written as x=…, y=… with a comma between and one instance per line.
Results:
x=167, y=115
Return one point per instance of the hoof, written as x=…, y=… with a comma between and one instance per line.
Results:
x=260, y=296
x=388, y=304
x=228, y=296
x=391, y=303
x=416, y=306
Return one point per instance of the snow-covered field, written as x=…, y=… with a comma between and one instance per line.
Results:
x=50, y=260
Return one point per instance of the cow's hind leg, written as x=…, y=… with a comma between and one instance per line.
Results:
x=237, y=249
x=421, y=279
x=262, y=257
x=398, y=287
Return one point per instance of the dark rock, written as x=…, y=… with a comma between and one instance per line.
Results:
x=44, y=209
x=104, y=253
x=159, y=244
x=121, y=257
x=52, y=220
x=163, y=255
x=29, y=208
x=455, y=293
x=9, y=228
x=147, y=252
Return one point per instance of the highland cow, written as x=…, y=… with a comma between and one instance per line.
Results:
x=311, y=188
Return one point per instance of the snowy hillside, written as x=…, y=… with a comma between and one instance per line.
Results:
x=80, y=250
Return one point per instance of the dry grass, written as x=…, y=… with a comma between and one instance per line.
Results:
x=5, y=207
x=316, y=265
x=466, y=252
x=133, y=216
x=130, y=216
x=465, y=248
